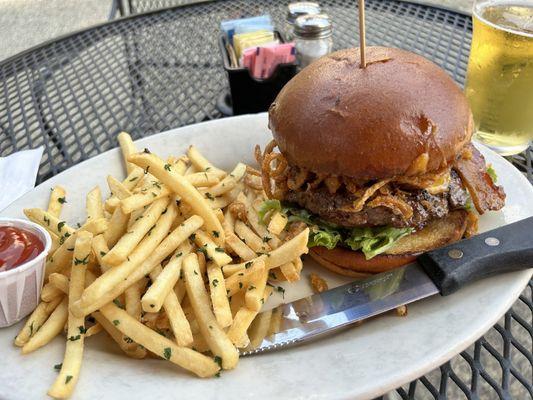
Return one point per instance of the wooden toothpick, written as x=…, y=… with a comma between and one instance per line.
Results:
x=362, y=40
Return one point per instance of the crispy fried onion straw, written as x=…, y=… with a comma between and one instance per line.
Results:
x=277, y=178
x=296, y=182
x=360, y=202
x=274, y=167
x=253, y=178
x=397, y=205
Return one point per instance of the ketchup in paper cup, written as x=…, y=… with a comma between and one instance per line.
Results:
x=23, y=250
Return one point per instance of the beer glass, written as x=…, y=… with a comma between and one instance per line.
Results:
x=499, y=83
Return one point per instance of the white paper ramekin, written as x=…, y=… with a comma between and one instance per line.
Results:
x=20, y=287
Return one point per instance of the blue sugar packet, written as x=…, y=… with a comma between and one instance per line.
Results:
x=229, y=26
x=252, y=27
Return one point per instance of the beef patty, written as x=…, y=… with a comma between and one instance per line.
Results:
x=334, y=207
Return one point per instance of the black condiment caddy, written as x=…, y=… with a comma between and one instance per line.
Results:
x=248, y=94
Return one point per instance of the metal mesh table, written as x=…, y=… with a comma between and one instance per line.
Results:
x=152, y=72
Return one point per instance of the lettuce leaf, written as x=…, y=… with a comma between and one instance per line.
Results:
x=323, y=237
x=374, y=241
x=371, y=241
x=300, y=214
x=266, y=207
x=492, y=173
x=469, y=206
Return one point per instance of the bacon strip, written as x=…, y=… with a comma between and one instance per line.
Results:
x=473, y=172
x=434, y=182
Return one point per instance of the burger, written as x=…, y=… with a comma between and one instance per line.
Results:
x=377, y=161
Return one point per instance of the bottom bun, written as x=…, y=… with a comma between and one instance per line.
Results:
x=353, y=263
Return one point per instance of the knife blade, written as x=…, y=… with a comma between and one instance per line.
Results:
x=444, y=270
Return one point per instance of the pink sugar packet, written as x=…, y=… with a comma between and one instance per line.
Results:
x=248, y=58
x=267, y=58
x=281, y=54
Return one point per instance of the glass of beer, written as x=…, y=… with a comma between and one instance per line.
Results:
x=499, y=83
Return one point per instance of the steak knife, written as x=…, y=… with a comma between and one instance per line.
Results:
x=444, y=270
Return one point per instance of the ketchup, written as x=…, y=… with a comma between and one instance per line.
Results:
x=17, y=246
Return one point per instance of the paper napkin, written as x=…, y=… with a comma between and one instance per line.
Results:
x=17, y=174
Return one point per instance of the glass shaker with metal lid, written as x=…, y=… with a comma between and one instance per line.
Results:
x=296, y=10
x=312, y=38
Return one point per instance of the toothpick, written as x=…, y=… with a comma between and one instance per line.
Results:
x=362, y=40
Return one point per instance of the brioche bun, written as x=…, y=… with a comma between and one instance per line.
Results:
x=401, y=115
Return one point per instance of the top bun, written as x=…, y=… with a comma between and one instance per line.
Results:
x=401, y=115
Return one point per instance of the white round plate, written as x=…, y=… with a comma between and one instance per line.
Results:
x=359, y=363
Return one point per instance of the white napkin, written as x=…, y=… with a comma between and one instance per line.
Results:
x=17, y=174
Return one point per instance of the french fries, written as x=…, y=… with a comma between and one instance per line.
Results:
x=249, y=237
x=93, y=330
x=94, y=204
x=36, y=320
x=154, y=297
x=133, y=178
x=254, y=292
x=57, y=199
x=117, y=274
x=275, y=321
x=118, y=337
x=186, y=358
x=290, y=272
x=285, y=253
x=117, y=227
x=179, y=185
x=277, y=223
x=50, y=292
x=62, y=257
x=60, y=282
x=113, y=283
x=239, y=247
x=131, y=239
x=139, y=200
x=201, y=163
x=203, y=179
x=210, y=249
x=173, y=263
x=259, y=328
x=178, y=322
x=215, y=337
x=253, y=220
x=241, y=323
x=48, y=221
x=146, y=197
x=70, y=369
x=100, y=249
x=229, y=182
x=219, y=296
x=117, y=188
x=132, y=299
x=241, y=280
x=50, y=329
x=127, y=147
x=180, y=290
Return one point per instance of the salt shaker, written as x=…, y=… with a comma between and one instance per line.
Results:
x=296, y=10
x=312, y=38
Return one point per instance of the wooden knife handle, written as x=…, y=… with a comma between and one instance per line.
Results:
x=505, y=249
